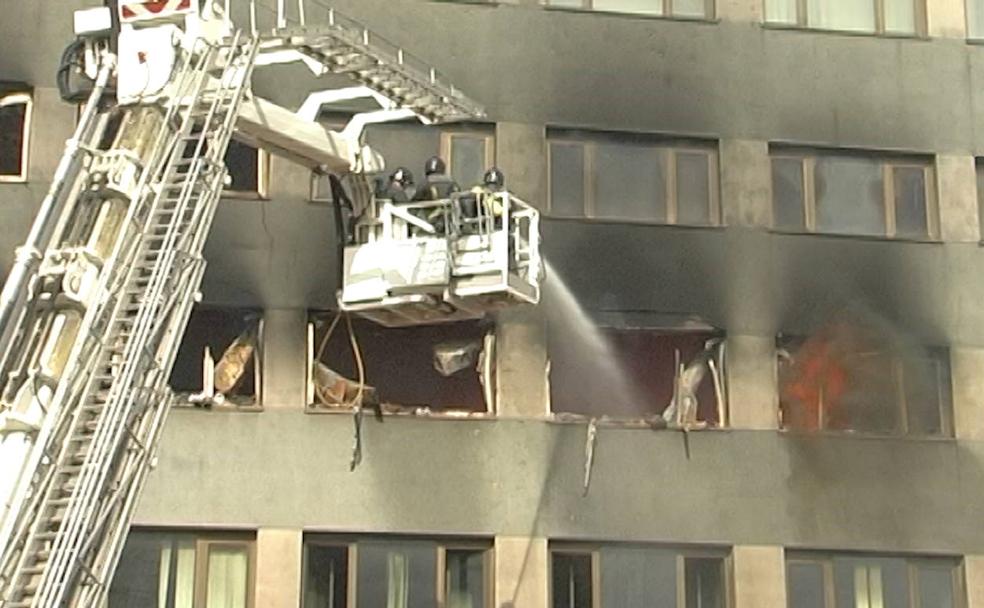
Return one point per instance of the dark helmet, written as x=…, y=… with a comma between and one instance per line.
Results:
x=402, y=176
x=494, y=178
x=434, y=165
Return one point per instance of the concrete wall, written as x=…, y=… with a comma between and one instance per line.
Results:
x=523, y=478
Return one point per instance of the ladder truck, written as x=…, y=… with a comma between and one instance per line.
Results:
x=96, y=304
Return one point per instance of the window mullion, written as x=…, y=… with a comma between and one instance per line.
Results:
x=590, y=205
x=879, y=8
x=672, y=210
x=888, y=198
x=809, y=193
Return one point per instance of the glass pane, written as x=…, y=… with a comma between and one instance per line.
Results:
x=397, y=574
x=629, y=182
x=465, y=576
x=689, y=8
x=781, y=11
x=326, y=577
x=641, y=7
x=567, y=3
x=936, y=587
x=787, y=193
x=923, y=381
x=910, y=202
x=850, y=196
x=846, y=15
x=468, y=163
x=705, y=582
x=155, y=571
x=870, y=402
x=227, y=576
x=567, y=180
x=571, y=580
x=693, y=189
x=900, y=16
x=320, y=188
x=806, y=588
x=12, y=130
x=975, y=18
x=871, y=582
x=638, y=576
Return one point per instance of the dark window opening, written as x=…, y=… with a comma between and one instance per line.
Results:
x=221, y=347
x=246, y=169
x=571, y=575
x=15, y=116
x=326, y=576
x=632, y=373
x=401, y=365
x=846, y=379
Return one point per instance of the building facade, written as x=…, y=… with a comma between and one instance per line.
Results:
x=796, y=180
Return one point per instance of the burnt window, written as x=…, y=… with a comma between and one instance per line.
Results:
x=15, y=125
x=248, y=168
x=632, y=373
x=218, y=361
x=444, y=367
x=846, y=379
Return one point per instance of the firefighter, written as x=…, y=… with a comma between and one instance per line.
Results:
x=400, y=188
x=437, y=183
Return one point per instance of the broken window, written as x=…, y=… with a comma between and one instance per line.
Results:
x=184, y=570
x=637, y=575
x=633, y=178
x=844, y=379
x=638, y=374
x=852, y=193
x=218, y=362
x=818, y=580
x=448, y=367
x=249, y=171
x=396, y=572
x=15, y=128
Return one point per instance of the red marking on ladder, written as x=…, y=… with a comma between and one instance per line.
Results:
x=152, y=7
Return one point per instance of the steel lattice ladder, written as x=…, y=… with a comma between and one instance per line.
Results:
x=101, y=430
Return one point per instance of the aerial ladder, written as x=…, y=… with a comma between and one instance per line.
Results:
x=94, y=309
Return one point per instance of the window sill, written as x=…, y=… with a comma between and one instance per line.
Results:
x=243, y=196
x=624, y=15
x=858, y=237
x=629, y=222
x=830, y=434
x=853, y=34
x=567, y=418
x=398, y=411
x=183, y=401
x=11, y=179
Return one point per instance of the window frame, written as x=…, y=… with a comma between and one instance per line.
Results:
x=668, y=150
x=919, y=14
x=913, y=563
x=887, y=164
x=682, y=554
x=488, y=569
x=446, y=147
x=17, y=97
x=258, y=384
x=351, y=544
x=203, y=544
x=666, y=11
x=262, y=192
